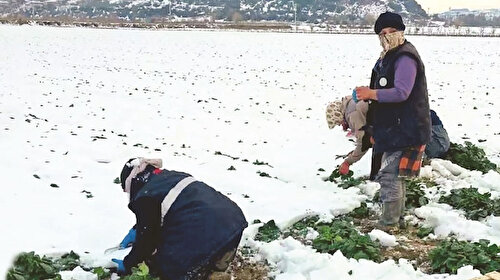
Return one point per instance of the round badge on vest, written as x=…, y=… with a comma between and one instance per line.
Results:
x=382, y=82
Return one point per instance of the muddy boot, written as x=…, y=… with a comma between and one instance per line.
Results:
x=391, y=212
x=390, y=229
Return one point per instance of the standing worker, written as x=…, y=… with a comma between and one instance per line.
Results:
x=398, y=117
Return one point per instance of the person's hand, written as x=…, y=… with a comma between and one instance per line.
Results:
x=129, y=239
x=120, y=268
x=366, y=93
x=344, y=168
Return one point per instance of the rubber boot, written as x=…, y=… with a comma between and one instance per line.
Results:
x=401, y=222
x=391, y=212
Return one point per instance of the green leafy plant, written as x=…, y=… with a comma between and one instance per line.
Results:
x=87, y=194
x=300, y=228
x=257, y=162
x=450, y=255
x=424, y=231
x=469, y=156
x=67, y=261
x=474, y=204
x=141, y=272
x=336, y=175
x=268, y=232
x=344, y=181
x=263, y=174
x=415, y=195
x=305, y=223
x=360, y=212
x=350, y=182
x=341, y=235
x=102, y=273
x=29, y=266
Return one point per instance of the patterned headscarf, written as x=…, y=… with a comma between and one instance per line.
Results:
x=334, y=114
x=390, y=41
x=138, y=165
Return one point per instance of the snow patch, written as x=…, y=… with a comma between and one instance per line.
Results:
x=385, y=239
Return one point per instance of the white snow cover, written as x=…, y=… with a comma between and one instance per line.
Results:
x=78, y=273
x=76, y=103
x=383, y=237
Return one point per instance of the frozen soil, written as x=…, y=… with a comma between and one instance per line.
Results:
x=411, y=247
x=242, y=268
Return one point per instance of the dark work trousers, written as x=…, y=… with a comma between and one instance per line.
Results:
x=376, y=163
x=220, y=261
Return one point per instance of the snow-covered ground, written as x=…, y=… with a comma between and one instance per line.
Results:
x=75, y=104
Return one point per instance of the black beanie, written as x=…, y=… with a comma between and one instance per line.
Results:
x=126, y=170
x=389, y=19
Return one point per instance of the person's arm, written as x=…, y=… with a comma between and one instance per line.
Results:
x=404, y=80
x=147, y=228
x=358, y=152
x=405, y=72
x=358, y=120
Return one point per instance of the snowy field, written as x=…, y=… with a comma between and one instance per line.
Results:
x=75, y=104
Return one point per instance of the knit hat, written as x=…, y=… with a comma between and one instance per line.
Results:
x=389, y=19
x=334, y=115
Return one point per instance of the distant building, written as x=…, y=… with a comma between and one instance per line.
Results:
x=455, y=13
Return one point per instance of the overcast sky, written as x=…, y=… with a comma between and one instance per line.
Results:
x=436, y=6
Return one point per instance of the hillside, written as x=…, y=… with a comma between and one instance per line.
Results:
x=312, y=11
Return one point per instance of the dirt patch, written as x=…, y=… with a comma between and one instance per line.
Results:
x=243, y=268
x=414, y=250
x=411, y=247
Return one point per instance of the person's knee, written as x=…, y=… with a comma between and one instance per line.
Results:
x=225, y=260
x=226, y=255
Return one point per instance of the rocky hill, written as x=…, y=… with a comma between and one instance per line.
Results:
x=312, y=11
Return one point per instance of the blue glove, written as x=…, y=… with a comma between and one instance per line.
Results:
x=354, y=97
x=129, y=239
x=120, y=268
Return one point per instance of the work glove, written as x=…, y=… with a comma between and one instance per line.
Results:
x=129, y=239
x=344, y=168
x=120, y=269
